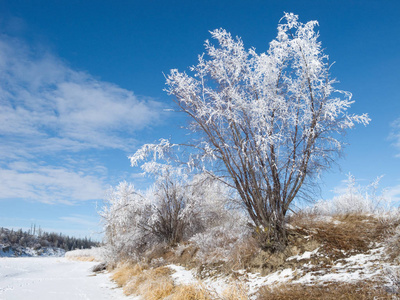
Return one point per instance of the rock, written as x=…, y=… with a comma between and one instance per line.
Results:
x=99, y=267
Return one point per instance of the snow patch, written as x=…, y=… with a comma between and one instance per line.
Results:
x=305, y=255
x=352, y=269
x=182, y=276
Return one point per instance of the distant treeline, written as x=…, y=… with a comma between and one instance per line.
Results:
x=36, y=238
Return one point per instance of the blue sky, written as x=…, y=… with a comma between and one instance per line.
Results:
x=82, y=88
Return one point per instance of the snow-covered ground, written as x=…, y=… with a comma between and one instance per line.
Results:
x=356, y=268
x=57, y=278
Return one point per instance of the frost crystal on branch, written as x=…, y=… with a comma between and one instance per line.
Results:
x=157, y=150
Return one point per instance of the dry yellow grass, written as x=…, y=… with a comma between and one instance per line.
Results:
x=152, y=284
x=125, y=272
x=157, y=284
x=236, y=291
x=242, y=254
x=157, y=289
x=332, y=291
x=351, y=233
x=82, y=258
x=190, y=292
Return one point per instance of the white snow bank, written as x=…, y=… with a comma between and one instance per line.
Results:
x=49, y=278
x=351, y=269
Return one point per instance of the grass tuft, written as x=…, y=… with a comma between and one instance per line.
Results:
x=152, y=284
x=235, y=292
x=125, y=272
x=190, y=292
x=82, y=258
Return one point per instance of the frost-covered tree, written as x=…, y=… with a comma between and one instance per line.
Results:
x=272, y=120
x=173, y=210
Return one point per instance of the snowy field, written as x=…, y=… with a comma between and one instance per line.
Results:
x=45, y=278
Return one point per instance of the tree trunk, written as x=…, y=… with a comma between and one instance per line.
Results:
x=272, y=235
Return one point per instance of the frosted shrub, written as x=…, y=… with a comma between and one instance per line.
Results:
x=356, y=199
x=172, y=211
x=218, y=242
x=183, y=207
x=124, y=210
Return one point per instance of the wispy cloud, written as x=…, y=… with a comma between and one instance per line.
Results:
x=50, y=113
x=395, y=134
x=81, y=220
x=393, y=193
x=74, y=225
x=49, y=184
x=43, y=100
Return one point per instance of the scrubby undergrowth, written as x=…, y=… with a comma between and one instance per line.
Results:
x=345, y=248
x=345, y=256
x=331, y=291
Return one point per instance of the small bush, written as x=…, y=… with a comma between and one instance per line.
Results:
x=224, y=241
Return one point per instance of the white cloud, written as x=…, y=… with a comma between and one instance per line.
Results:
x=51, y=116
x=75, y=225
x=81, y=220
x=341, y=188
x=48, y=184
x=393, y=193
x=48, y=106
x=395, y=134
